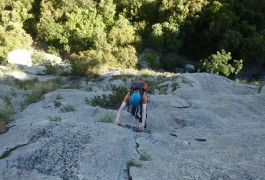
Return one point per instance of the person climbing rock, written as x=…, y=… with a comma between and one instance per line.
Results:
x=136, y=99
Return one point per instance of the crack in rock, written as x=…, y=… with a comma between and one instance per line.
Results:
x=9, y=151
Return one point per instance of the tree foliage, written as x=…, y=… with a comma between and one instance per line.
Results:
x=84, y=63
x=122, y=33
x=120, y=29
x=222, y=63
x=232, y=25
x=13, y=36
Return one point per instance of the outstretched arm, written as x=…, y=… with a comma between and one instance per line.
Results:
x=141, y=126
x=117, y=120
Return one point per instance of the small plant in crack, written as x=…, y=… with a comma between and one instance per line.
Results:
x=59, y=96
x=106, y=119
x=67, y=108
x=55, y=118
x=145, y=157
x=174, y=86
x=132, y=163
x=57, y=103
x=88, y=89
x=8, y=152
x=185, y=80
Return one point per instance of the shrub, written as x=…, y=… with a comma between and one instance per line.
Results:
x=10, y=68
x=40, y=58
x=5, y=113
x=145, y=73
x=156, y=38
x=71, y=26
x=52, y=68
x=106, y=119
x=53, y=50
x=132, y=163
x=122, y=33
x=152, y=85
x=84, y=63
x=257, y=83
x=185, y=80
x=13, y=37
x=26, y=84
x=111, y=101
x=165, y=37
x=174, y=86
x=57, y=103
x=220, y=63
x=152, y=60
x=59, y=96
x=126, y=56
x=169, y=63
x=55, y=118
x=145, y=157
x=163, y=89
x=67, y=108
x=88, y=89
x=39, y=90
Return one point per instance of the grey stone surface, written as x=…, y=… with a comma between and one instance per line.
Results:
x=189, y=68
x=11, y=95
x=20, y=57
x=38, y=70
x=208, y=128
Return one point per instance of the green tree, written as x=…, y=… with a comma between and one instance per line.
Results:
x=178, y=10
x=156, y=37
x=126, y=56
x=84, y=63
x=129, y=9
x=49, y=28
x=72, y=25
x=222, y=63
x=15, y=11
x=165, y=37
x=85, y=29
x=122, y=33
x=237, y=26
x=253, y=49
x=231, y=40
x=107, y=9
x=13, y=37
x=13, y=14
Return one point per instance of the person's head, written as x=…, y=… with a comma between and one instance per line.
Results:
x=135, y=99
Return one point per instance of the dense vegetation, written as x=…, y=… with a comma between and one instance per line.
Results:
x=113, y=32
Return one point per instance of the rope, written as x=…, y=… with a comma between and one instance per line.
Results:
x=125, y=152
x=124, y=155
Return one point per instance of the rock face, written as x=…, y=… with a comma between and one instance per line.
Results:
x=209, y=127
x=25, y=60
x=20, y=57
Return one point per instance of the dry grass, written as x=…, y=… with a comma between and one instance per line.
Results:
x=39, y=89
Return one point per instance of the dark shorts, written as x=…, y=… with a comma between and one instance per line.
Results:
x=138, y=115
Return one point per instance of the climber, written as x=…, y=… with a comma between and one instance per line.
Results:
x=136, y=98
